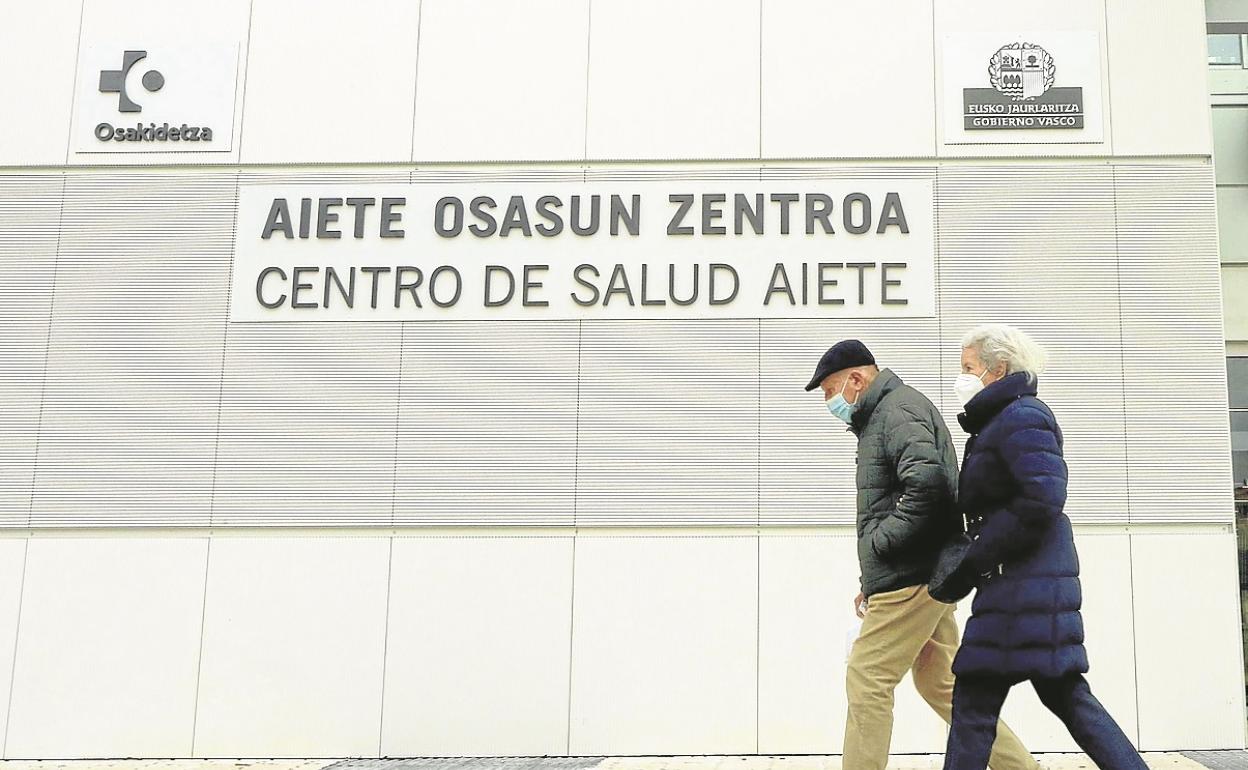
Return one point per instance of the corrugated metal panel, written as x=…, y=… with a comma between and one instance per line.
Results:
x=1034, y=246
x=668, y=425
x=487, y=423
x=1178, y=437
x=307, y=424
x=30, y=209
x=321, y=176
x=134, y=366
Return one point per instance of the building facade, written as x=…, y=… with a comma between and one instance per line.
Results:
x=426, y=378
x=1227, y=24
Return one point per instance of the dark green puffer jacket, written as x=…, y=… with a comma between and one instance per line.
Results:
x=907, y=485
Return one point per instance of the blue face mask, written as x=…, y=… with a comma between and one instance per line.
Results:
x=839, y=407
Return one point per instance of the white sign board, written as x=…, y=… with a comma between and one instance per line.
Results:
x=1035, y=87
x=141, y=93
x=670, y=249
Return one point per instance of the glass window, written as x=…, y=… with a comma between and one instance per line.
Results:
x=1237, y=382
x=1225, y=49
x=1239, y=447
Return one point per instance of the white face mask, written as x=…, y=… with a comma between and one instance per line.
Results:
x=965, y=386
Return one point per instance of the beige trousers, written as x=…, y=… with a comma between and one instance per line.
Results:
x=907, y=630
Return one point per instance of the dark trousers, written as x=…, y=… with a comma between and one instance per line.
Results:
x=977, y=702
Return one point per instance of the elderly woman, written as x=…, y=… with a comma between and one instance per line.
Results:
x=1025, y=622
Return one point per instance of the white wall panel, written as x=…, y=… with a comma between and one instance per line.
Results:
x=30, y=208
x=107, y=648
x=807, y=455
x=478, y=648
x=1006, y=23
x=664, y=653
x=292, y=649
x=668, y=432
x=328, y=82
x=134, y=360
x=818, y=98
x=40, y=40
x=487, y=428
x=12, y=567
x=1172, y=344
x=501, y=81
x=1157, y=61
x=996, y=226
x=806, y=591
x=674, y=79
x=307, y=424
x=1187, y=625
x=1108, y=619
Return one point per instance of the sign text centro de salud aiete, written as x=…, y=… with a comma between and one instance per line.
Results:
x=656, y=250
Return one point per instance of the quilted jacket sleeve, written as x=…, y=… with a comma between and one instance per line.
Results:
x=1032, y=453
x=913, y=443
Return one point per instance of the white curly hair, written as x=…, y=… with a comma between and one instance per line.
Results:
x=1001, y=343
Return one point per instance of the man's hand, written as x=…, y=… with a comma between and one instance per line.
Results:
x=859, y=603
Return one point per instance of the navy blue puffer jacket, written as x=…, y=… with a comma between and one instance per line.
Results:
x=1025, y=619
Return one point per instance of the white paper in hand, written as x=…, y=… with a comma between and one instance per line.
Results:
x=851, y=635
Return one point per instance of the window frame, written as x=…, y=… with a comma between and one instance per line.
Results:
x=1243, y=50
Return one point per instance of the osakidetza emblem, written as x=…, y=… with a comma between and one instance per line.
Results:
x=114, y=81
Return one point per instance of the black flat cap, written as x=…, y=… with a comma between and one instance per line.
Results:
x=843, y=355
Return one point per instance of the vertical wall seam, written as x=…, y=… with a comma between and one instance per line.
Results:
x=576, y=434
x=758, y=552
x=1122, y=341
x=47, y=350
x=758, y=639
x=936, y=113
x=1103, y=60
x=17, y=632
x=225, y=345
x=760, y=79
x=385, y=649
x=242, y=118
x=240, y=86
x=1135, y=657
x=1126, y=452
x=398, y=408
x=589, y=39
x=576, y=465
x=73, y=96
x=199, y=657
x=571, y=643
x=420, y=17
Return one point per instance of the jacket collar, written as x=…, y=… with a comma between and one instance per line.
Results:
x=885, y=382
x=988, y=402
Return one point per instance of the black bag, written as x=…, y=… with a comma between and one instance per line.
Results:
x=950, y=582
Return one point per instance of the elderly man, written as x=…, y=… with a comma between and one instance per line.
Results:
x=907, y=481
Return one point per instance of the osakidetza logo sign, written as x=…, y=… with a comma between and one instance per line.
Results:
x=154, y=94
x=114, y=81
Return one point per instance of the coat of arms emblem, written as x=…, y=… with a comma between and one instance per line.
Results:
x=1021, y=71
